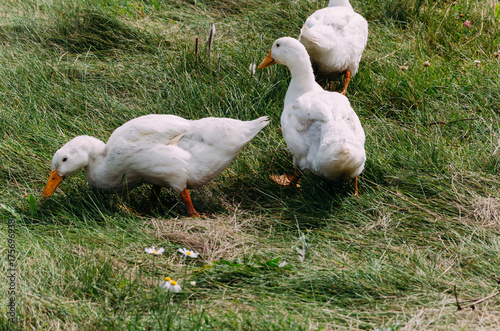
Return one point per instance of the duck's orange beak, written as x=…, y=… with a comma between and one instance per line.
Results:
x=268, y=61
x=54, y=180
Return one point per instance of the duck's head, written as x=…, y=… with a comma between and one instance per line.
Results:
x=284, y=51
x=70, y=158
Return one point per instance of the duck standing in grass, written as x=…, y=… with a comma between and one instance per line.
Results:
x=320, y=128
x=163, y=150
x=335, y=38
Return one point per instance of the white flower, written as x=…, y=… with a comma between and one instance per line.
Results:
x=153, y=250
x=166, y=283
x=282, y=264
x=187, y=253
x=252, y=68
x=477, y=63
x=173, y=287
x=193, y=283
x=170, y=285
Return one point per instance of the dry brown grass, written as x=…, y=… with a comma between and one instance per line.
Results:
x=485, y=317
x=486, y=210
x=215, y=237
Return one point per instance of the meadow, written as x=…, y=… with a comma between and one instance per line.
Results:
x=416, y=250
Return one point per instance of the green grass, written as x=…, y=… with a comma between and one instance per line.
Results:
x=427, y=219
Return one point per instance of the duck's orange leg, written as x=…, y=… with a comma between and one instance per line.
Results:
x=347, y=78
x=186, y=198
x=356, y=194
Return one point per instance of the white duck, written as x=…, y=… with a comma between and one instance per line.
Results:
x=335, y=38
x=320, y=128
x=163, y=150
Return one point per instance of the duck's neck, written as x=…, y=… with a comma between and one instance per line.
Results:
x=303, y=80
x=343, y=3
x=98, y=172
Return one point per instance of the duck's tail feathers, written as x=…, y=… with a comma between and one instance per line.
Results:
x=257, y=125
x=345, y=162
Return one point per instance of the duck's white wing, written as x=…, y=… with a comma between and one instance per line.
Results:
x=161, y=129
x=145, y=150
x=344, y=112
x=322, y=108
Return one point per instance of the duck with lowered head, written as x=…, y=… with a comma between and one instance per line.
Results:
x=320, y=128
x=335, y=38
x=163, y=150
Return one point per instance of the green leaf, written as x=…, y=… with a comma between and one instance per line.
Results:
x=497, y=11
x=274, y=262
x=32, y=203
x=155, y=4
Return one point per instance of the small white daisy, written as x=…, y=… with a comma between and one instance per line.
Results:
x=187, y=253
x=166, y=283
x=153, y=250
x=173, y=287
x=193, y=283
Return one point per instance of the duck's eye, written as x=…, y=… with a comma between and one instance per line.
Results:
x=277, y=45
x=65, y=159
